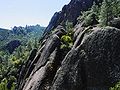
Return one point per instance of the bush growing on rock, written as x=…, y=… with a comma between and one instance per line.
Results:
x=116, y=87
x=89, y=17
x=67, y=41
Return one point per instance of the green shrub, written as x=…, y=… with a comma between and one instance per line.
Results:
x=69, y=26
x=116, y=87
x=66, y=39
x=82, y=17
x=67, y=42
x=3, y=84
x=89, y=19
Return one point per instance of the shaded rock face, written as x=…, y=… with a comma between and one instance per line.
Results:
x=70, y=13
x=44, y=65
x=69, y=76
x=53, y=22
x=11, y=46
x=102, y=51
x=26, y=69
x=115, y=23
x=91, y=65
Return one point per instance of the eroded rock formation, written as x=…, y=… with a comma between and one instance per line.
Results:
x=92, y=63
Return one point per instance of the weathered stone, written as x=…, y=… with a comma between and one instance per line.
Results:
x=50, y=46
x=59, y=31
x=42, y=78
x=24, y=71
x=53, y=23
x=78, y=29
x=92, y=66
x=115, y=23
x=69, y=76
x=70, y=13
x=102, y=63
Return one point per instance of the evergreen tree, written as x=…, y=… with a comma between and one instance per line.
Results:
x=109, y=10
x=69, y=25
x=29, y=45
x=116, y=7
x=106, y=13
x=36, y=43
x=95, y=8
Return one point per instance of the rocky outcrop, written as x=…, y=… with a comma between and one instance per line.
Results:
x=53, y=23
x=92, y=66
x=93, y=63
x=115, y=23
x=102, y=63
x=45, y=64
x=70, y=13
x=26, y=69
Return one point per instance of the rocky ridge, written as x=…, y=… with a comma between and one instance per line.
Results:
x=70, y=13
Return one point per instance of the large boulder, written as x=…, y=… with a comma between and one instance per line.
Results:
x=115, y=23
x=102, y=65
x=94, y=65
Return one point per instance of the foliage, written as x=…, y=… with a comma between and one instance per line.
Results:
x=104, y=13
x=67, y=41
x=20, y=33
x=7, y=85
x=69, y=26
x=83, y=16
x=89, y=17
x=116, y=87
x=10, y=63
x=109, y=10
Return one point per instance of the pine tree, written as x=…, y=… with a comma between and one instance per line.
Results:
x=116, y=7
x=106, y=13
x=94, y=8
x=36, y=43
x=29, y=46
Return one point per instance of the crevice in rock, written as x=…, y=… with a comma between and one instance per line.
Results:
x=80, y=37
x=83, y=74
x=24, y=68
x=51, y=71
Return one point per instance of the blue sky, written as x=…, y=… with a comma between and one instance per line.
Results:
x=30, y=12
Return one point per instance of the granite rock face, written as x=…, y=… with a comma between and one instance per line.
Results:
x=115, y=23
x=70, y=13
x=44, y=65
x=102, y=52
x=93, y=64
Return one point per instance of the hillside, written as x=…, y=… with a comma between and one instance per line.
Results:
x=21, y=34
x=15, y=47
